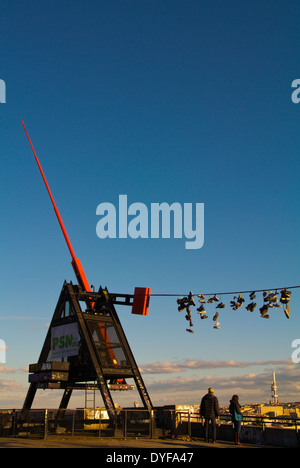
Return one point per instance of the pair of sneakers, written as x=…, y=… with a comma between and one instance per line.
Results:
x=201, y=310
x=237, y=303
x=185, y=302
x=213, y=299
x=285, y=299
x=285, y=296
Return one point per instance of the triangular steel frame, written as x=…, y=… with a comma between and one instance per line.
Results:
x=104, y=355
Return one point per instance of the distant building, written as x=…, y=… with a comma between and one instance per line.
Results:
x=270, y=410
x=274, y=395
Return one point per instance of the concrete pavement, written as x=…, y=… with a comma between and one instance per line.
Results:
x=136, y=444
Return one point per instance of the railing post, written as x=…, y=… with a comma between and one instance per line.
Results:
x=189, y=424
x=73, y=422
x=14, y=422
x=125, y=422
x=45, y=424
x=151, y=423
x=99, y=431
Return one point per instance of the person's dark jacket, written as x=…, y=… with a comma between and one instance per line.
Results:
x=209, y=407
x=234, y=405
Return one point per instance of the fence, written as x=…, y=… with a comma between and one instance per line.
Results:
x=256, y=429
x=78, y=422
x=136, y=422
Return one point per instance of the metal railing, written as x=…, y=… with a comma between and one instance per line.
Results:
x=129, y=422
x=185, y=419
x=87, y=422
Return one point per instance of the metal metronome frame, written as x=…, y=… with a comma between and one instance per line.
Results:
x=103, y=354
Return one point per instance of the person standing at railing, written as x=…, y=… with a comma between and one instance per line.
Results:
x=236, y=417
x=209, y=410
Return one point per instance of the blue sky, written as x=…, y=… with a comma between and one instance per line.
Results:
x=171, y=101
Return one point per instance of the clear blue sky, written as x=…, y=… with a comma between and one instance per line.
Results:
x=171, y=101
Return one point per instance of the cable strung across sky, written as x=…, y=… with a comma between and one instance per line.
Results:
x=270, y=301
x=231, y=292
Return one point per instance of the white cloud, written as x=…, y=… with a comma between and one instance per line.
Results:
x=7, y=370
x=252, y=387
x=161, y=367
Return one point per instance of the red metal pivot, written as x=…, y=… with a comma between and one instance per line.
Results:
x=141, y=300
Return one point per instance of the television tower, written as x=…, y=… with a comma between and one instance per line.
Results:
x=274, y=395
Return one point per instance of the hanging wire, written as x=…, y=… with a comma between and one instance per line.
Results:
x=185, y=301
x=232, y=292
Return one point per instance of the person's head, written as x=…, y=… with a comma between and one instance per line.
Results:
x=210, y=390
x=235, y=398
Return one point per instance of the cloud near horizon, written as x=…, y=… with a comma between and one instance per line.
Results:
x=161, y=367
x=253, y=387
x=7, y=370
